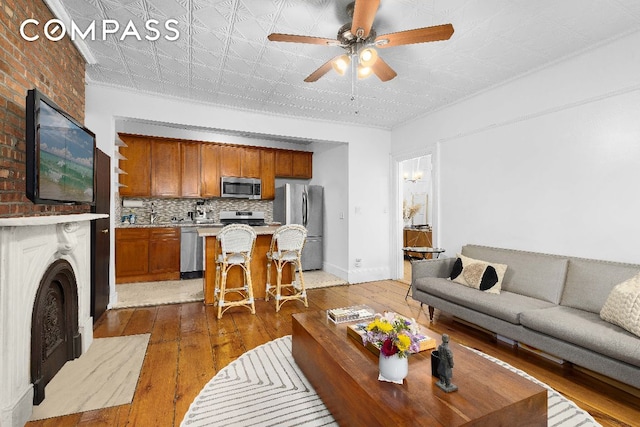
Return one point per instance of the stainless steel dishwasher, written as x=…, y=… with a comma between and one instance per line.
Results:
x=191, y=253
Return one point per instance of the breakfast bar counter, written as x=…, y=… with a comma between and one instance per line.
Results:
x=258, y=262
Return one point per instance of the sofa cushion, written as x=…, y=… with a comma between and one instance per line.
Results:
x=506, y=306
x=535, y=275
x=584, y=329
x=622, y=307
x=478, y=274
x=589, y=282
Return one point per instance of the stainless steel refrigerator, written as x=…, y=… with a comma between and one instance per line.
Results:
x=302, y=204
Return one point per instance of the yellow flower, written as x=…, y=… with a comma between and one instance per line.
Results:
x=403, y=342
x=373, y=325
x=380, y=325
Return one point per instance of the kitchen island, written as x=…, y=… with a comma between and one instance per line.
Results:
x=258, y=262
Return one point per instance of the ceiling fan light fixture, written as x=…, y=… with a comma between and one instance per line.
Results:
x=341, y=64
x=364, y=72
x=368, y=57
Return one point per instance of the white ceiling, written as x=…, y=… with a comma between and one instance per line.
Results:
x=223, y=56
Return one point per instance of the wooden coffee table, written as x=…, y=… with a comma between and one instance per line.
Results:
x=345, y=376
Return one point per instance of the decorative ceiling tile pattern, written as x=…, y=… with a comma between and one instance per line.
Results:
x=223, y=56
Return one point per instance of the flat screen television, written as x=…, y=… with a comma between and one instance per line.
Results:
x=60, y=155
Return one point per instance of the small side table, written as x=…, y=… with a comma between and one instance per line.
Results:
x=423, y=251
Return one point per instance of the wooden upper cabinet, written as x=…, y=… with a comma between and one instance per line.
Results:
x=137, y=176
x=294, y=164
x=268, y=173
x=210, y=170
x=301, y=164
x=283, y=163
x=165, y=169
x=250, y=162
x=230, y=160
x=190, y=163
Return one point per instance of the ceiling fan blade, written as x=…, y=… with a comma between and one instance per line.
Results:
x=277, y=37
x=324, y=69
x=383, y=70
x=364, y=13
x=418, y=35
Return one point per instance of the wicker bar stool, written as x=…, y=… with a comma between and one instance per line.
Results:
x=286, y=248
x=236, y=244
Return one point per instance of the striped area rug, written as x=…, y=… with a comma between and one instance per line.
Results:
x=264, y=387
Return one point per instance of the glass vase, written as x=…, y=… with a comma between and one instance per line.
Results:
x=393, y=368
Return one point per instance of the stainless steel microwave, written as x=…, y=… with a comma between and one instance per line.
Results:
x=241, y=188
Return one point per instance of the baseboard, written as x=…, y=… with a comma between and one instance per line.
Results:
x=20, y=413
x=335, y=270
x=362, y=275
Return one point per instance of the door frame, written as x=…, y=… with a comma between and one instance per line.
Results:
x=396, y=257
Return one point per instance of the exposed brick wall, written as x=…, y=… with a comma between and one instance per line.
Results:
x=55, y=68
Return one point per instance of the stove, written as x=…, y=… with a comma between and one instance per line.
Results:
x=252, y=218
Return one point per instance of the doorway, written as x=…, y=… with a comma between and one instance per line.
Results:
x=416, y=196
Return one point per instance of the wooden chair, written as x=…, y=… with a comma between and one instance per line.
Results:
x=236, y=242
x=286, y=248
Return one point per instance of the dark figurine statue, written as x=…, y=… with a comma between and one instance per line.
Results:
x=445, y=366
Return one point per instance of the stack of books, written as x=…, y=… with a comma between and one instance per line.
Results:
x=350, y=314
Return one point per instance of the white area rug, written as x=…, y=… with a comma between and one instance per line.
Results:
x=106, y=375
x=156, y=293
x=265, y=387
x=319, y=279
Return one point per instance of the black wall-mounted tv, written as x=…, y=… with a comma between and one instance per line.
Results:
x=60, y=155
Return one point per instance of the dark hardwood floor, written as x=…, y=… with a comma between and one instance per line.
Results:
x=189, y=345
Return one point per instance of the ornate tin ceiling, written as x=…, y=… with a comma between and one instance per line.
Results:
x=222, y=55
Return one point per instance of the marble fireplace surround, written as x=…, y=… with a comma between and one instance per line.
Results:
x=28, y=246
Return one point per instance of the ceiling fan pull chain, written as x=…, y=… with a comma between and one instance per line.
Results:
x=354, y=78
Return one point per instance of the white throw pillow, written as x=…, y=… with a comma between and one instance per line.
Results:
x=622, y=307
x=483, y=275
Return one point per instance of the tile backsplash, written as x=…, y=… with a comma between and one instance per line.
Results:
x=178, y=208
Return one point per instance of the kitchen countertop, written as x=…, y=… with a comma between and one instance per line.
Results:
x=204, y=230
x=166, y=224
x=213, y=231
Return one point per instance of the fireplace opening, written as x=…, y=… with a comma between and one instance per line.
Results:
x=55, y=338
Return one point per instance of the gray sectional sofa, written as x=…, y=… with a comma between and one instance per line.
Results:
x=549, y=302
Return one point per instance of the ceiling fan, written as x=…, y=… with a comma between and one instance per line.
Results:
x=360, y=40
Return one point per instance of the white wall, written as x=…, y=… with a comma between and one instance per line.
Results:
x=330, y=166
x=367, y=165
x=549, y=162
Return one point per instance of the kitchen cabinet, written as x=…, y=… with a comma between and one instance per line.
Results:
x=283, y=164
x=165, y=169
x=251, y=163
x=210, y=170
x=301, y=164
x=293, y=164
x=230, y=160
x=136, y=179
x=268, y=173
x=147, y=254
x=173, y=168
x=190, y=168
x=132, y=253
x=164, y=251
x=239, y=161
